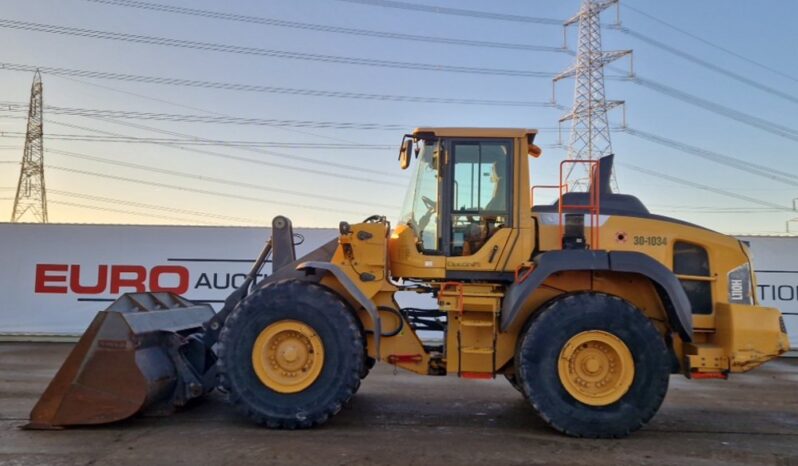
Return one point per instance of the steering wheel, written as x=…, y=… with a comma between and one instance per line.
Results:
x=429, y=203
x=374, y=219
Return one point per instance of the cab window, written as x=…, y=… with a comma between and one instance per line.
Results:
x=481, y=191
x=691, y=266
x=420, y=209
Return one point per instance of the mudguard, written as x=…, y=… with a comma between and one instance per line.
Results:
x=353, y=291
x=670, y=290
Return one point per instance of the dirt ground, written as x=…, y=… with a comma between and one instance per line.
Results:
x=406, y=419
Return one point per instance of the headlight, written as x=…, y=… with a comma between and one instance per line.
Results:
x=740, y=291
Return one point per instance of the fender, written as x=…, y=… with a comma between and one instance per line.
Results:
x=677, y=306
x=353, y=291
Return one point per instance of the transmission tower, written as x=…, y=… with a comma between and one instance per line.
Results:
x=590, y=129
x=31, y=200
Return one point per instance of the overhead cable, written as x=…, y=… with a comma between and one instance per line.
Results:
x=129, y=203
x=211, y=179
x=260, y=20
x=258, y=200
x=323, y=169
x=710, y=43
x=703, y=187
x=240, y=87
x=754, y=83
x=752, y=168
x=255, y=51
x=442, y=10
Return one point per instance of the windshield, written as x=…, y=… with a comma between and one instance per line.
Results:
x=419, y=210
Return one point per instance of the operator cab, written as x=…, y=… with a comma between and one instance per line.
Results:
x=461, y=205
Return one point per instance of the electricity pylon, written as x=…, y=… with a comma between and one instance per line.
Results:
x=31, y=199
x=590, y=129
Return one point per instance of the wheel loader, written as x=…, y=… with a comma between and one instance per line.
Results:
x=586, y=306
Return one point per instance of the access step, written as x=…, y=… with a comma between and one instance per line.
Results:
x=476, y=350
x=476, y=323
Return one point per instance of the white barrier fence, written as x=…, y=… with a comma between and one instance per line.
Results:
x=54, y=278
x=775, y=260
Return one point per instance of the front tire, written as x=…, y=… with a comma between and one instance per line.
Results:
x=593, y=365
x=513, y=379
x=291, y=355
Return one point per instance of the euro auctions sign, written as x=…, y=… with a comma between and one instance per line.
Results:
x=65, y=278
x=54, y=278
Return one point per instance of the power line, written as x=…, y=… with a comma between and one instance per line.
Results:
x=254, y=51
x=686, y=208
x=292, y=158
x=703, y=187
x=457, y=11
x=710, y=66
x=229, y=86
x=201, y=142
x=748, y=167
x=718, y=212
x=211, y=179
x=186, y=118
x=130, y=203
x=192, y=107
x=212, y=119
x=551, y=21
x=696, y=101
x=129, y=212
x=714, y=210
x=711, y=44
x=725, y=111
x=682, y=96
x=202, y=191
x=323, y=28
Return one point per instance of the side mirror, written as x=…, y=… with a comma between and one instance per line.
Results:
x=404, y=153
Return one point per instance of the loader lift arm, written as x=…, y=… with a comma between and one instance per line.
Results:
x=281, y=248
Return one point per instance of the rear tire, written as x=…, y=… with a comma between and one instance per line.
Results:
x=630, y=384
x=293, y=305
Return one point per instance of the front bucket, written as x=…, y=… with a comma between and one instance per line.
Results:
x=123, y=364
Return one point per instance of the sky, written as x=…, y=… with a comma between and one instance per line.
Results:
x=348, y=173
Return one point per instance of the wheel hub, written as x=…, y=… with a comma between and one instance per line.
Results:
x=288, y=356
x=596, y=368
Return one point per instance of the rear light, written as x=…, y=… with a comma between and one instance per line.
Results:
x=740, y=285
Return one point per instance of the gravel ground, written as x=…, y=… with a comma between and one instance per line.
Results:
x=407, y=419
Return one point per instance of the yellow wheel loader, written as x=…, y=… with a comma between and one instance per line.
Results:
x=586, y=306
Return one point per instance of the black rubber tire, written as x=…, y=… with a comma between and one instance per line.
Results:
x=539, y=349
x=513, y=379
x=334, y=322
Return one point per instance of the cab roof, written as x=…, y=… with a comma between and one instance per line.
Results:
x=476, y=132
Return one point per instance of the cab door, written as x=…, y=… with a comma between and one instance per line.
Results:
x=477, y=205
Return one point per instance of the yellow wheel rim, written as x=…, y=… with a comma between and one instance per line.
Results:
x=596, y=368
x=288, y=356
